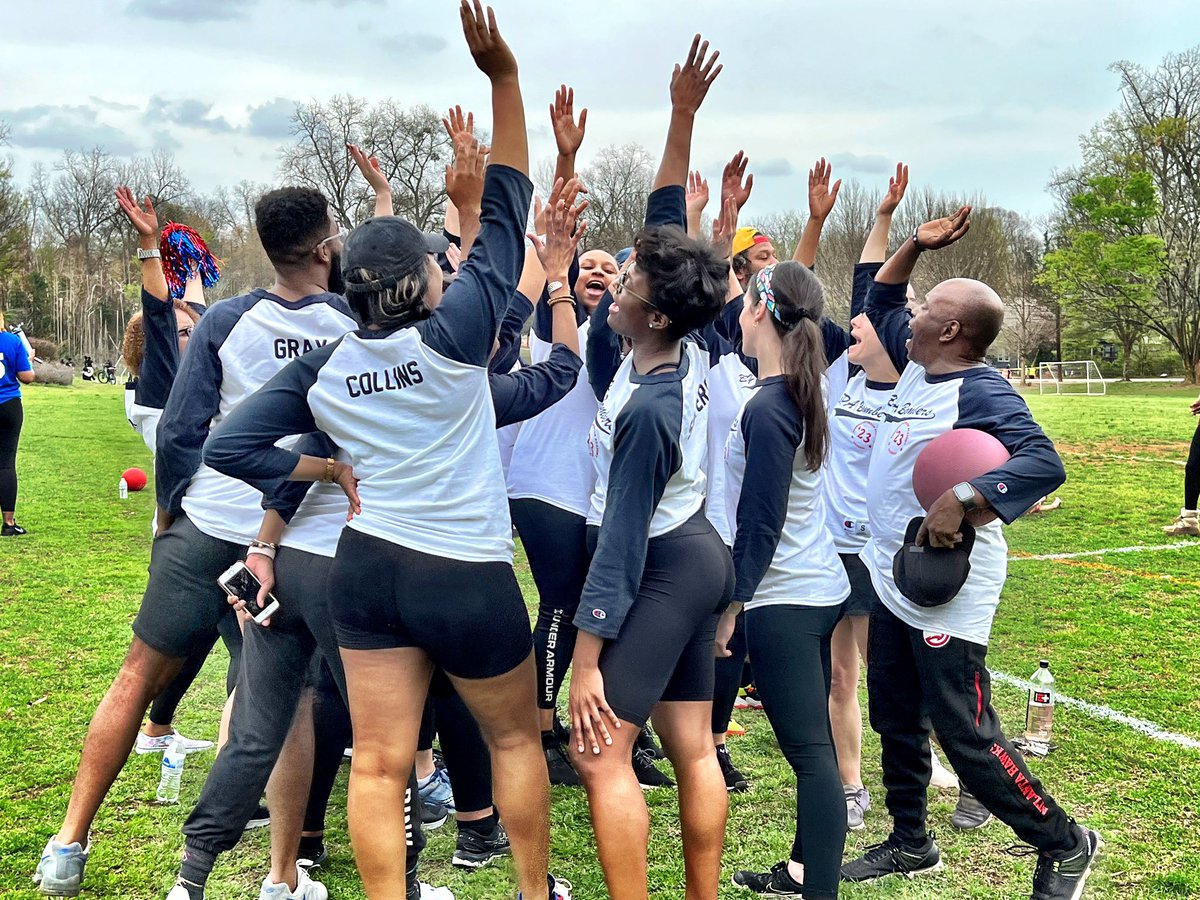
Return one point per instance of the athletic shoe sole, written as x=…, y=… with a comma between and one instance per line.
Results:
x=436, y=823
x=465, y=863
x=1091, y=863
x=917, y=873
x=746, y=887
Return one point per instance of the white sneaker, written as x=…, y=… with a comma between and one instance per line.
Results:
x=562, y=888
x=179, y=892
x=429, y=892
x=941, y=778
x=147, y=744
x=306, y=889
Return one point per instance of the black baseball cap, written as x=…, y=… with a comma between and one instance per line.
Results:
x=932, y=576
x=388, y=246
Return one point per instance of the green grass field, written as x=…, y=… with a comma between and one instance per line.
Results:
x=1119, y=629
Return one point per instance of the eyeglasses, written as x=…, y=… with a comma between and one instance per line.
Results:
x=341, y=235
x=622, y=287
x=186, y=332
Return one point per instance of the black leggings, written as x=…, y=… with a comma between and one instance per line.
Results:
x=555, y=543
x=468, y=762
x=1191, y=473
x=12, y=415
x=162, y=711
x=728, y=678
x=331, y=726
x=790, y=647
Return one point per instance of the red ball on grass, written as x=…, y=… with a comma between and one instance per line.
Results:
x=135, y=478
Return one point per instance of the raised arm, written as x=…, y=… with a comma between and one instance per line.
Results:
x=821, y=198
x=689, y=86
x=464, y=187
x=568, y=133
x=564, y=230
x=695, y=199
x=510, y=142
x=145, y=221
x=369, y=166
x=875, y=248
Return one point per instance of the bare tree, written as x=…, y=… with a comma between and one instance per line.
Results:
x=317, y=158
x=618, y=183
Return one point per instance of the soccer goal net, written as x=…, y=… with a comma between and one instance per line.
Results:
x=1071, y=378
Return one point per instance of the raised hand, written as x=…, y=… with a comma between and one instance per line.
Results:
x=369, y=166
x=491, y=54
x=939, y=233
x=696, y=194
x=539, y=215
x=567, y=133
x=562, y=235
x=732, y=184
x=144, y=220
x=464, y=179
x=690, y=82
x=454, y=256
x=897, y=185
x=821, y=196
x=723, y=228
x=457, y=125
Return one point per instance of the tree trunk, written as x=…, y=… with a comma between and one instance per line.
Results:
x=1126, y=349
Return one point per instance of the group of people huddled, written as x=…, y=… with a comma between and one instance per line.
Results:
x=702, y=467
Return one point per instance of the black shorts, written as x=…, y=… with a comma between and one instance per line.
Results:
x=664, y=651
x=183, y=603
x=469, y=617
x=862, y=599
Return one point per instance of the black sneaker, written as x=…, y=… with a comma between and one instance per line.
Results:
x=12, y=530
x=558, y=764
x=313, y=857
x=648, y=775
x=260, y=819
x=735, y=781
x=645, y=741
x=776, y=883
x=473, y=849
x=561, y=731
x=1063, y=878
x=893, y=858
x=969, y=814
x=433, y=814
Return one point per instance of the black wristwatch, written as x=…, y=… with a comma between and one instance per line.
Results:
x=964, y=494
x=916, y=242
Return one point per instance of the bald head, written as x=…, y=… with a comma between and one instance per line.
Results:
x=977, y=308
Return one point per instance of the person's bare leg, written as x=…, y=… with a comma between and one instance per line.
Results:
x=112, y=732
x=387, y=690
x=287, y=793
x=845, y=711
x=227, y=711
x=506, y=709
x=618, y=807
x=545, y=719
x=425, y=765
x=684, y=729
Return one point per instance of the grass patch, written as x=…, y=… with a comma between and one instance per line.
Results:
x=1118, y=632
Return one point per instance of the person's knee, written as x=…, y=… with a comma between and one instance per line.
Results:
x=843, y=682
x=146, y=672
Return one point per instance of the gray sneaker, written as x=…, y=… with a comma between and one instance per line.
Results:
x=60, y=870
x=858, y=801
x=970, y=813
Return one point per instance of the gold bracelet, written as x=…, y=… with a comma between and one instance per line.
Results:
x=328, y=476
x=255, y=542
x=562, y=298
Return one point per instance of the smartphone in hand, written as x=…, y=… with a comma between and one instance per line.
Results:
x=244, y=584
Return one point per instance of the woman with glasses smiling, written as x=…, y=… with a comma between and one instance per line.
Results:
x=659, y=574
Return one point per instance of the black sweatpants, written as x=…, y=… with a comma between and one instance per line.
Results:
x=162, y=710
x=12, y=416
x=276, y=662
x=1191, y=473
x=790, y=645
x=917, y=681
x=555, y=543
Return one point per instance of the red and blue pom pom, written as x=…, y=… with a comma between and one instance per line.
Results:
x=184, y=256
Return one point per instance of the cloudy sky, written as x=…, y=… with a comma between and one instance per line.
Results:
x=984, y=96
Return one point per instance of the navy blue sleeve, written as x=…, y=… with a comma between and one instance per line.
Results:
x=988, y=402
x=727, y=320
x=285, y=497
x=465, y=323
x=646, y=452
x=509, y=350
x=160, y=359
x=864, y=277
x=243, y=445
x=772, y=432
x=836, y=340
x=667, y=206
x=194, y=399
x=603, y=349
x=523, y=394
x=887, y=308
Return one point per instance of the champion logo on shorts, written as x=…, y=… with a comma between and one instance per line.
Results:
x=599, y=614
x=936, y=641
x=1002, y=488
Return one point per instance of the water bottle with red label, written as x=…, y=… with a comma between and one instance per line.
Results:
x=1039, y=714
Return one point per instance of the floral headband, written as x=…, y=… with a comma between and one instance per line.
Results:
x=762, y=282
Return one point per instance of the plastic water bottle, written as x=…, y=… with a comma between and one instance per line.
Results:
x=172, y=772
x=1039, y=714
x=123, y=489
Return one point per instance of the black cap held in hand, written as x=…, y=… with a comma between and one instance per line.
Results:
x=388, y=246
x=932, y=576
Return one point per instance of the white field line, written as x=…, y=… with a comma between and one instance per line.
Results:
x=1085, y=455
x=1180, y=545
x=1099, y=711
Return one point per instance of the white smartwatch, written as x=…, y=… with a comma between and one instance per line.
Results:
x=552, y=287
x=964, y=494
x=152, y=253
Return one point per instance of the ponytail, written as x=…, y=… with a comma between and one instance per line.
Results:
x=796, y=302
